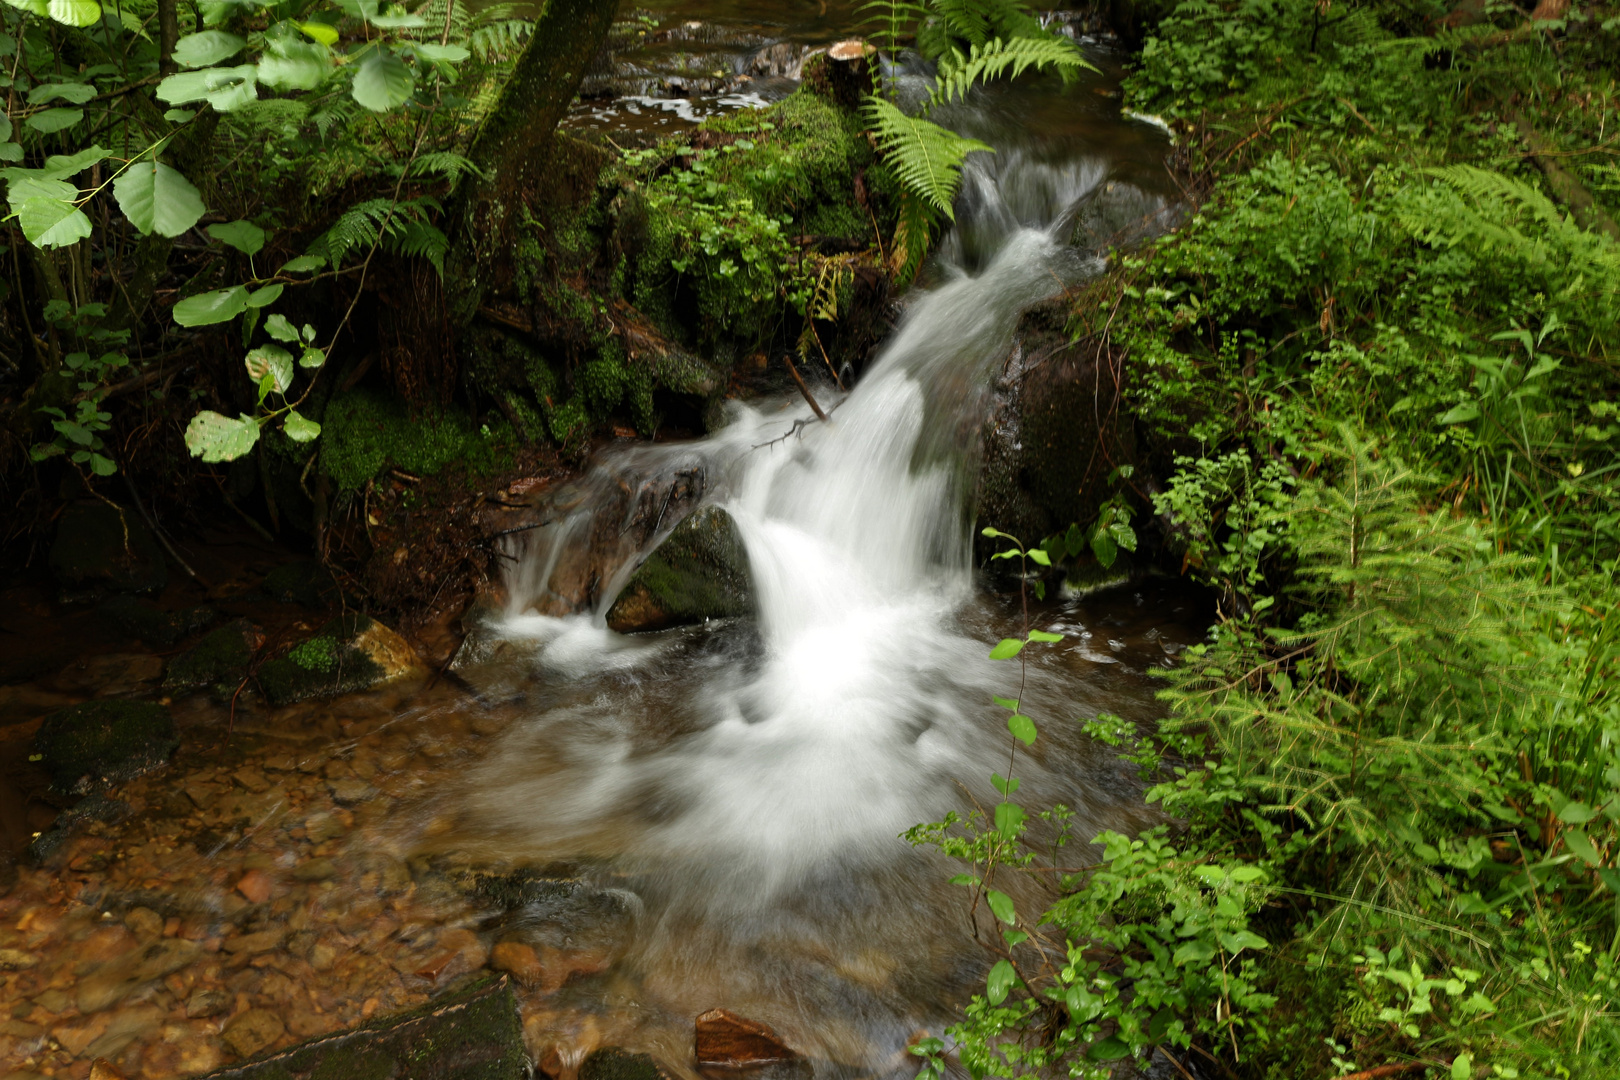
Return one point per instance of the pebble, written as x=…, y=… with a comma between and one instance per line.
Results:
x=118, y=978
x=520, y=961
x=252, y=779
x=144, y=923
x=205, y=1002
x=315, y=870
x=253, y=944
x=254, y=886
x=253, y=1031
x=349, y=792
x=16, y=960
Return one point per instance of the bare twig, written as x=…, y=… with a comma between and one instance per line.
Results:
x=803, y=389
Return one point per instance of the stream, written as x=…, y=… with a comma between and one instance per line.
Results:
x=641, y=828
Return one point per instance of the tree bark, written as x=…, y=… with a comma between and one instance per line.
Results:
x=512, y=148
x=168, y=13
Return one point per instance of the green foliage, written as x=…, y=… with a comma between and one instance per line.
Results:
x=368, y=432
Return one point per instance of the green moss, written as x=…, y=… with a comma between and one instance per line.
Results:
x=105, y=742
x=367, y=432
x=318, y=654
x=217, y=663
x=322, y=666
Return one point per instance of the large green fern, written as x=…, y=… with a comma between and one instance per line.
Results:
x=926, y=157
x=1003, y=59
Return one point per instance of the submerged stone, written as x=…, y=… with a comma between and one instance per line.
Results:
x=728, y=1044
x=699, y=572
x=349, y=654
x=103, y=742
x=218, y=663
x=100, y=547
x=144, y=620
x=612, y=1063
x=470, y=1034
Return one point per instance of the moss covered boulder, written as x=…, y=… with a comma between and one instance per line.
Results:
x=217, y=664
x=103, y=548
x=144, y=620
x=104, y=742
x=471, y=1034
x=351, y=653
x=699, y=572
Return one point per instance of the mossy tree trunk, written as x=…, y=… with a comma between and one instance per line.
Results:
x=512, y=148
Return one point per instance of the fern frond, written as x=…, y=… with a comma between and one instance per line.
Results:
x=958, y=74
x=926, y=157
x=445, y=163
x=891, y=22
x=418, y=239
x=499, y=41
x=358, y=227
x=911, y=238
x=977, y=22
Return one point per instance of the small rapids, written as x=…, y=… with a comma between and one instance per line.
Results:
x=745, y=785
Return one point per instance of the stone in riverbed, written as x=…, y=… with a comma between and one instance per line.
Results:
x=105, y=742
x=350, y=653
x=218, y=663
x=120, y=977
x=699, y=572
x=612, y=1063
x=471, y=1034
x=144, y=620
x=728, y=1045
x=253, y=1031
x=207, y=1001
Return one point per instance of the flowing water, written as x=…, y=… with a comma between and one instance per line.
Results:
x=741, y=788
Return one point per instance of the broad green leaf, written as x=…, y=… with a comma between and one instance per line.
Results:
x=1006, y=649
x=1123, y=535
x=33, y=7
x=76, y=432
x=1247, y=873
x=1010, y=818
x=208, y=308
x=312, y=358
x=207, y=48
x=1003, y=785
x=52, y=222
x=102, y=466
x=62, y=166
x=279, y=328
x=320, y=32
x=1237, y=941
x=1001, y=905
x=179, y=116
x=75, y=93
x=223, y=88
x=299, y=429
x=216, y=438
x=398, y=22
x=1110, y=1049
x=10, y=151
x=266, y=296
x=1044, y=635
x=442, y=54
x=26, y=184
x=244, y=236
x=74, y=12
x=296, y=65
x=1001, y=979
x=157, y=199
x=1578, y=842
x=53, y=120
x=1576, y=813
x=1193, y=952
x=1104, y=547
x=302, y=264
x=1460, y=414
x=1005, y=702
x=383, y=81
x=1462, y=1067
x=272, y=362
x=1039, y=557
x=1022, y=727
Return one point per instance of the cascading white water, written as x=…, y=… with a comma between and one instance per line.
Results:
x=751, y=782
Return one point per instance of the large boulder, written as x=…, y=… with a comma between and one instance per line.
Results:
x=217, y=664
x=699, y=572
x=104, y=548
x=105, y=742
x=350, y=653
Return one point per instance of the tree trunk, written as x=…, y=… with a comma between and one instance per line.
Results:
x=168, y=13
x=512, y=147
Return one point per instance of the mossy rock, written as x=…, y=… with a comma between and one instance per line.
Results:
x=349, y=654
x=473, y=1033
x=105, y=742
x=304, y=582
x=91, y=556
x=366, y=432
x=699, y=572
x=612, y=1063
x=141, y=619
x=218, y=663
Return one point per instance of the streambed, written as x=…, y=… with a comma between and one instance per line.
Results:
x=640, y=828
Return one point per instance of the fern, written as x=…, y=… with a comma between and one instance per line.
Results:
x=892, y=21
x=419, y=239
x=926, y=157
x=959, y=23
x=445, y=163
x=958, y=74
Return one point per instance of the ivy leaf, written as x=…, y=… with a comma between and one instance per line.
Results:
x=1001, y=979
x=52, y=222
x=279, y=328
x=216, y=438
x=74, y=12
x=208, y=308
x=157, y=199
x=75, y=93
x=53, y=120
x=383, y=81
x=299, y=429
x=272, y=362
x=244, y=236
x=1001, y=906
x=1006, y=649
x=207, y=48
x=1022, y=727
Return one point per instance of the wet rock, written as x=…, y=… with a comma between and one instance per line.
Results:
x=110, y=675
x=254, y=944
x=1116, y=215
x=144, y=923
x=471, y=1034
x=612, y=1063
x=726, y=1041
x=124, y=1028
x=118, y=978
x=160, y=629
x=48, y=848
x=103, y=742
x=520, y=961
x=218, y=663
x=351, y=791
x=253, y=1031
x=17, y=960
x=315, y=870
x=569, y=932
x=304, y=582
x=255, y=885
x=351, y=653
x=207, y=1001
x=100, y=548
x=457, y=953
x=699, y=572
